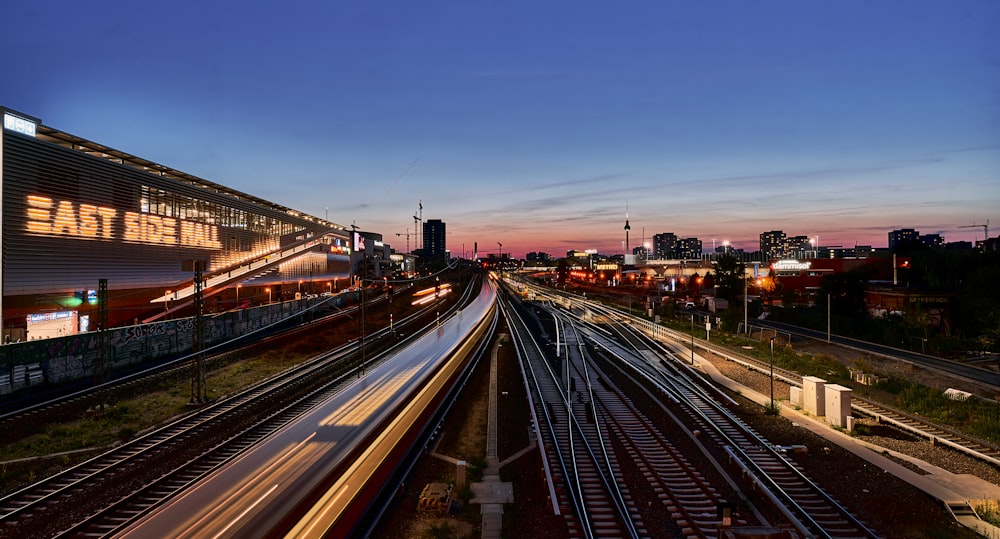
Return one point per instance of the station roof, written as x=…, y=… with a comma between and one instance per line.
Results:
x=66, y=140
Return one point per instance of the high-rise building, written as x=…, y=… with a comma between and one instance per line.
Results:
x=797, y=247
x=932, y=240
x=538, y=257
x=434, y=239
x=772, y=244
x=689, y=248
x=902, y=235
x=665, y=246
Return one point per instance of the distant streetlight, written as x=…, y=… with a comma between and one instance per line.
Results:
x=330, y=286
x=238, y=294
x=437, y=298
x=268, y=290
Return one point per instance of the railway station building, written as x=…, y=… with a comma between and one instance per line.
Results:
x=84, y=223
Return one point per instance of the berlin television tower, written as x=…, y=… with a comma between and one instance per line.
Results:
x=627, y=228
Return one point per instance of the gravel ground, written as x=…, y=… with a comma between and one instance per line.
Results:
x=879, y=434
x=890, y=506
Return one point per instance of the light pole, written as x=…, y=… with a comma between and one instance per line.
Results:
x=238, y=295
x=388, y=292
x=746, y=290
x=772, y=374
x=500, y=262
x=437, y=299
x=692, y=338
x=268, y=290
x=827, y=317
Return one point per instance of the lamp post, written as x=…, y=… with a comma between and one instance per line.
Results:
x=692, y=338
x=388, y=292
x=746, y=290
x=238, y=295
x=437, y=299
x=828, y=317
x=772, y=374
x=268, y=290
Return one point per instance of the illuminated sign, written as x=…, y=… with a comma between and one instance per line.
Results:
x=18, y=125
x=87, y=221
x=791, y=265
x=45, y=317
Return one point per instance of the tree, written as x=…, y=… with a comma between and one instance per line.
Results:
x=847, y=293
x=562, y=272
x=729, y=275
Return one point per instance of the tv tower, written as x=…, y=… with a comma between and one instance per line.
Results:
x=627, y=228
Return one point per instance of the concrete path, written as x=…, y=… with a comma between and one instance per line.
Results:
x=492, y=493
x=954, y=490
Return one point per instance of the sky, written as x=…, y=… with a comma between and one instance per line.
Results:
x=541, y=125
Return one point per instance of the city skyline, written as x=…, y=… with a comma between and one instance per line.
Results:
x=543, y=126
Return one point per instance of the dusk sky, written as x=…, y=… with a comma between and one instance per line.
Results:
x=537, y=123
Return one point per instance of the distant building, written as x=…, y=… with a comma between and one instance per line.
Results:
x=899, y=236
x=689, y=248
x=798, y=247
x=665, y=246
x=538, y=257
x=772, y=245
x=932, y=240
x=434, y=239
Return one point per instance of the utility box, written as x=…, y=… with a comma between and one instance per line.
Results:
x=813, y=395
x=838, y=405
x=795, y=395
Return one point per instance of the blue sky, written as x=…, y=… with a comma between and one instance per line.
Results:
x=536, y=124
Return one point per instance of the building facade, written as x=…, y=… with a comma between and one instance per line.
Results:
x=434, y=239
x=77, y=213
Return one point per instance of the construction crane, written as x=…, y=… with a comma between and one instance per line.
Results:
x=407, y=234
x=986, y=229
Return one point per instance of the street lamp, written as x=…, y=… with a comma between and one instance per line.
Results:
x=772, y=374
x=238, y=294
x=746, y=288
x=268, y=290
x=437, y=298
x=692, y=338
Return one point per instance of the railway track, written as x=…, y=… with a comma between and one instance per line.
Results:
x=587, y=491
x=915, y=425
x=861, y=406
x=762, y=467
x=147, y=470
